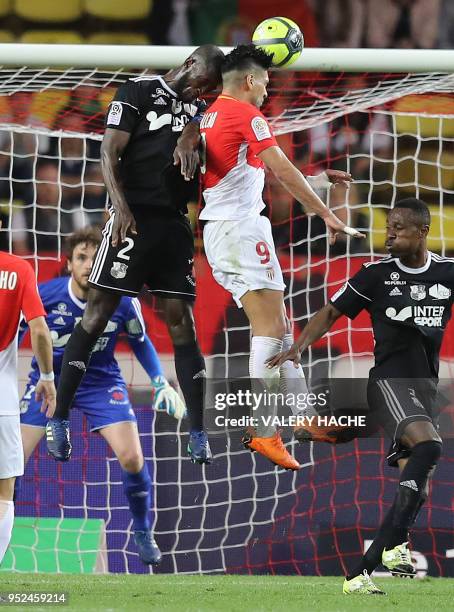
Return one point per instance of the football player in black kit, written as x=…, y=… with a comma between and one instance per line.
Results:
x=147, y=239
x=409, y=297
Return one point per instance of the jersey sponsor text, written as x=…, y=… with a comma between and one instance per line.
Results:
x=8, y=280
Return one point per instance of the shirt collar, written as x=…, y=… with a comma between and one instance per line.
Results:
x=424, y=268
x=74, y=298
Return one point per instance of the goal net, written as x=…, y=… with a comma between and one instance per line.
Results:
x=394, y=133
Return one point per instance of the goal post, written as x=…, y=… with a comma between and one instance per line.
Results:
x=386, y=116
x=159, y=57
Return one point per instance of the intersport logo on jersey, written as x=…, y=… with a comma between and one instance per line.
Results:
x=426, y=316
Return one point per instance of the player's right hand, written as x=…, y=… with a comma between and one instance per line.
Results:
x=45, y=391
x=166, y=399
x=336, y=226
x=188, y=159
x=293, y=354
x=123, y=222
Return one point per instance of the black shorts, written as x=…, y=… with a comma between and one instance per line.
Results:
x=396, y=402
x=160, y=256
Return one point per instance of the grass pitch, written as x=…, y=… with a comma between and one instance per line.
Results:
x=168, y=593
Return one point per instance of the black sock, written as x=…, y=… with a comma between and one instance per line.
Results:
x=75, y=362
x=190, y=368
x=422, y=501
x=413, y=480
x=372, y=557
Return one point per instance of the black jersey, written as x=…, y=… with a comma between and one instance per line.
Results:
x=409, y=308
x=151, y=112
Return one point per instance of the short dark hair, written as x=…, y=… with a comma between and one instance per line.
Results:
x=86, y=235
x=418, y=207
x=246, y=57
x=212, y=56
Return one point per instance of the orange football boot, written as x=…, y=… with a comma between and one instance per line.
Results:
x=330, y=435
x=273, y=449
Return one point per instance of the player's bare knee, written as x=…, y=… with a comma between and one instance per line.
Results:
x=182, y=331
x=131, y=461
x=94, y=324
x=182, y=335
x=180, y=322
x=417, y=432
x=100, y=307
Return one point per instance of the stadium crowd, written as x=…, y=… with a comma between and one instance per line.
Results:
x=331, y=23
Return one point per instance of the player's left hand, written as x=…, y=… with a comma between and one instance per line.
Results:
x=293, y=354
x=339, y=177
x=166, y=399
x=187, y=158
x=45, y=391
x=336, y=226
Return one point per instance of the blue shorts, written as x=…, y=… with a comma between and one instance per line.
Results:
x=102, y=406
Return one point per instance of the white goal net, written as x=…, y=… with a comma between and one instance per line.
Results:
x=395, y=134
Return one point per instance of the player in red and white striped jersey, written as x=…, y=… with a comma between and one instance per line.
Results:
x=18, y=296
x=238, y=241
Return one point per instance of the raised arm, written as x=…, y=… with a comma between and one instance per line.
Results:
x=294, y=181
x=317, y=327
x=42, y=349
x=112, y=148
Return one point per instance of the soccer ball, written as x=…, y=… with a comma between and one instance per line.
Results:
x=281, y=36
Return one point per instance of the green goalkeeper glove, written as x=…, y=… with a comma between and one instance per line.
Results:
x=166, y=399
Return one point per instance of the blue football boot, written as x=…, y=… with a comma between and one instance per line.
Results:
x=58, y=439
x=199, y=448
x=149, y=552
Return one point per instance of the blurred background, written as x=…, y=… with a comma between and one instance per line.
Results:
x=415, y=24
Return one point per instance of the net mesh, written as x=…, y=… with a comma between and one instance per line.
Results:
x=394, y=134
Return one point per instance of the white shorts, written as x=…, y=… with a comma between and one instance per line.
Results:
x=11, y=451
x=242, y=255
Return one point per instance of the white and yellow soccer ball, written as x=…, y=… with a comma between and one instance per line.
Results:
x=281, y=36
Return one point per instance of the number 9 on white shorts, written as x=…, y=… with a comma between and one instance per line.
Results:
x=242, y=256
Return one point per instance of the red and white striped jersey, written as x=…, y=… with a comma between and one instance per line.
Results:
x=233, y=177
x=18, y=294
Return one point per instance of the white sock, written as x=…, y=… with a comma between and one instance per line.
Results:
x=292, y=381
x=262, y=348
x=6, y=525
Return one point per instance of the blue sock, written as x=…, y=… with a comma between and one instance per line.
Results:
x=137, y=488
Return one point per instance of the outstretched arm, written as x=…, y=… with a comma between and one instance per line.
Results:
x=294, y=181
x=329, y=178
x=146, y=355
x=317, y=327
